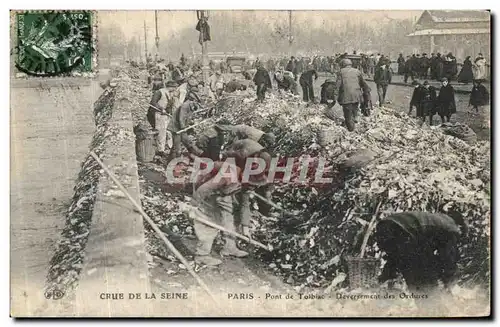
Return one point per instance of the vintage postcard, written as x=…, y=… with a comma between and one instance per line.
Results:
x=250, y=163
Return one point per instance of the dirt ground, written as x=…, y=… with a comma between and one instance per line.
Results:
x=51, y=128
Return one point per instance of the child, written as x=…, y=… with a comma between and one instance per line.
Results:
x=446, y=101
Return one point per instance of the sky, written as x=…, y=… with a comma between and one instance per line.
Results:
x=171, y=21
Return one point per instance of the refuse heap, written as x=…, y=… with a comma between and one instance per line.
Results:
x=417, y=168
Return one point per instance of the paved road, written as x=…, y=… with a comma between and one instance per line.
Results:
x=51, y=128
x=399, y=97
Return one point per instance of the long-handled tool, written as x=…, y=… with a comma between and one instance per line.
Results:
x=155, y=227
x=198, y=213
x=194, y=125
x=271, y=203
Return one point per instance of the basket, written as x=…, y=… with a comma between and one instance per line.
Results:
x=145, y=146
x=362, y=272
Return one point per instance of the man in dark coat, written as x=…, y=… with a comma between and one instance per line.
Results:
x=409, y=68
x=306, y=81
x=422, y=246
x=290, y=67
x=466, y=75
x=382, y=79
x=479, y=96
x=439, y=66
x=349, y=88
x=417, y=66
x=262, y=81
x=328, y=93
x=424, y=65
x=415, y=100
x=433, y=66
x=401, y=64
x=445, y=103
x=427, y=102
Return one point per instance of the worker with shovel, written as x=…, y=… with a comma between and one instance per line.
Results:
x=213, y=195
x=164, y=101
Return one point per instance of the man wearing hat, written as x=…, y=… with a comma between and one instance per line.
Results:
x=382, y=79
x=307, y=84
x=349, y=87
x=427, y=102
x=424, y=66
x=445, y=103
x=164, y=101
x=262, y=81
x=181, y=119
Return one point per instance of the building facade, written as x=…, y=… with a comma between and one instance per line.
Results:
x=461, y=32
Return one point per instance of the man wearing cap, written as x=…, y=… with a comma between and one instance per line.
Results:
x=424, y=66
x=164, y=101
x=328, y=93
x=427, y=102
x=415, y=100
x=262, y=81
x=445, y=103
x=241, y=132
x=349, y=88
x=422, y=246
x=181, y=119
x=307, y=83
x=382, y=79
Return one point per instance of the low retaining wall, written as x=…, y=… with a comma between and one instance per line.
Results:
x=102, y=251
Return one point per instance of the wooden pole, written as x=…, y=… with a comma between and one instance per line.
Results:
x=155, y=227
x=145, y=42
x=369, y=230
x=157, y=38
x=223, y=229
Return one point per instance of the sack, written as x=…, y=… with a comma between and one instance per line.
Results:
x=356, y=159
x=460, y=131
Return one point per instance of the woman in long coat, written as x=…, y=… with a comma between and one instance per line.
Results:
x=480, y=68
x=446, y=101
x=466, y=75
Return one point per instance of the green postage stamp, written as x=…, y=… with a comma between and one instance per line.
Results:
x=55, y=43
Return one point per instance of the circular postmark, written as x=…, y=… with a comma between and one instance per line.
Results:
x=54, y=43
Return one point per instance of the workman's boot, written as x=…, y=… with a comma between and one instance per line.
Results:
x=230, y=249
x=207, y=260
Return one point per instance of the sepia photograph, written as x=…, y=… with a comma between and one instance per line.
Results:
x=250, y=163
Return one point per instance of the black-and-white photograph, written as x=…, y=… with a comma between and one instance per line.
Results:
x=250, y=163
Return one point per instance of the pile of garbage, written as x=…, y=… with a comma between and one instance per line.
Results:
x=67, y=262
x=415, y=168
x=411, y=167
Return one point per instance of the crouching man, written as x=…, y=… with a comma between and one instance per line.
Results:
x=422, y=246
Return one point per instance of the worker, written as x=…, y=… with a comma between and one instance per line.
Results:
x=349, y=87
x=163, y=102
x=240, y=132
x=286, y=83
x=422, y=246
x=328, y=93
x=307, y=83
x=210, y=141
x=415, y=100
x=216, y=83
x=213, y=197
x=240, y=151
x=181, y=119
x=262, y=81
